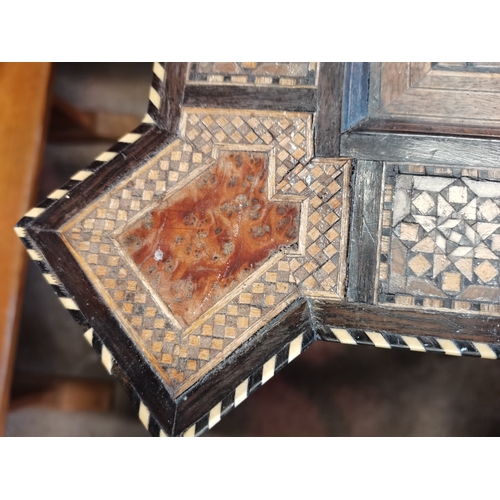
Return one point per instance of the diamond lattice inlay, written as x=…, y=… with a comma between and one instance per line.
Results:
x=205, y=239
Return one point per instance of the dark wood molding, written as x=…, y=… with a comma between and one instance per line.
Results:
x=363, y=247
x=356, y=87
x=402, y=126
x=172, y=95
x=404, y=321
x=464, y=151
x=329, y=110
x=251, y=97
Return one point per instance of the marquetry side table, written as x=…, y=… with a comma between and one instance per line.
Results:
x=262, y=206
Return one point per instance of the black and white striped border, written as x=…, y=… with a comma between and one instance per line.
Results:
x=417, y=343
x=65, y=191
x=286, y=355
x=145, y=416
x=156, y=94
x=151, y=117
x=155, y=102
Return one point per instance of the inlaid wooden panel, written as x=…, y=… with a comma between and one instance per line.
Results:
x=189, y=248
x=440, y=238
x=241, y=181
x=445, y=98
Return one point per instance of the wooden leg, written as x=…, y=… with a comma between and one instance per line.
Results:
x=23, y=105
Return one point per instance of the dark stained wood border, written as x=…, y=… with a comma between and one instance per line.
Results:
x=105, y=176
x=463, y=151
x=403, y=321
x=250, y=97
x=172, y=93
x=241, y=364
x=364, y=234
x=407, y=126
x=329, y=110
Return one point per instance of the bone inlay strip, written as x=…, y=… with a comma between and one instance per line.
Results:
x=268, y=370
x=344, y=336
x=241, y=393
x=214, y=415
x=449, y=347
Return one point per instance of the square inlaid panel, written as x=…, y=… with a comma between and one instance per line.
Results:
x=440, y=244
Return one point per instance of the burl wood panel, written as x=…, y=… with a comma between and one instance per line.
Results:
x=208, y=237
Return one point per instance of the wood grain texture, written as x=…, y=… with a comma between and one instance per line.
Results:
x=406, y=124
x=364, y=234
x=414, y=148
x=23, y=105
x=403, y=321
x=456, y=99
x=329, y=110
x=395, y=80
x=173, y=90
x=286, y=99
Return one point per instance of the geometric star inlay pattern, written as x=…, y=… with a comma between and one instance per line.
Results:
x=441, y=243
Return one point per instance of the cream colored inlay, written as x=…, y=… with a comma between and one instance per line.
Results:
x=268, y=370
x=344, y=336
x=413, y=343
x=89, y=335
x=449, y=347
x=20, y=231
x=51, y=279
x=57, y=194
x=159, y=71
x=68, y=303
x=129, y=138
x=485, y=350
x=144, y=415
x=295, y=348
x=378, y=339
x=154, y=97
x=34, y=254
x=191, y=432
x=107, y=359
x=214, y=415
x=34, y=212
x=81, y=175
x=106, y=156
x=241, y=393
